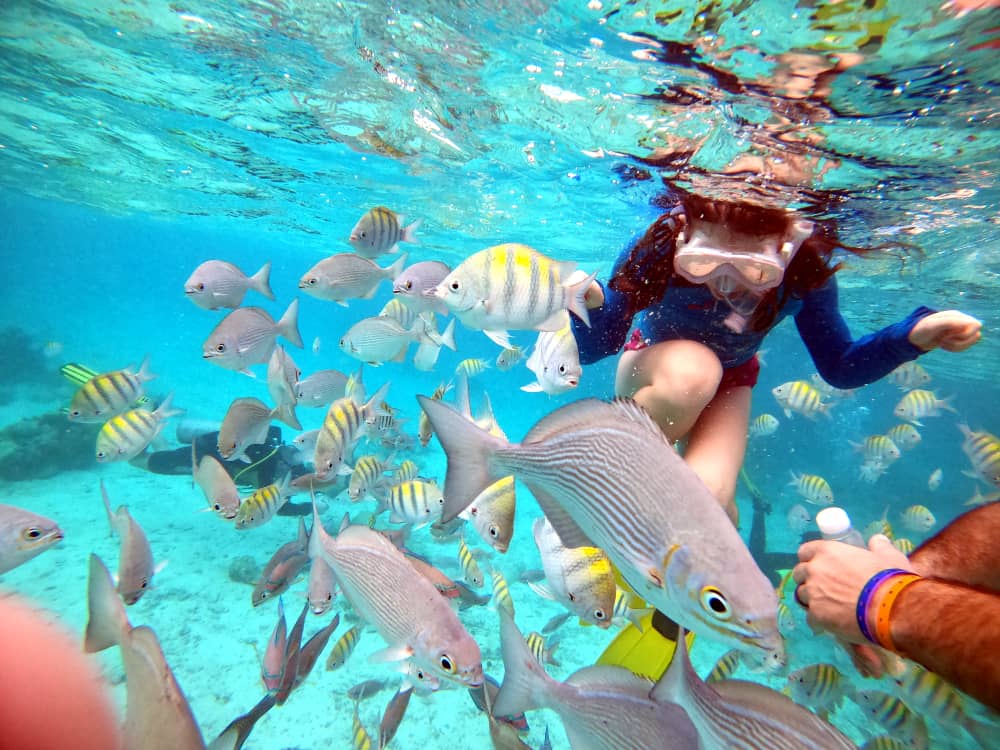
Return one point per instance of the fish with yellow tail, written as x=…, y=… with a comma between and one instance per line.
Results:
x=579, y=578
x=405, y=608
x=513, y=287
x=606, y=476
x=734, y=713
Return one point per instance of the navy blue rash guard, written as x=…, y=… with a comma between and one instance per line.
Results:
x=692, y=313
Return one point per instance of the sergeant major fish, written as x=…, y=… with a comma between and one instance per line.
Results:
x=104, y=396
x=919, y=404
x=126, y=436
x=341, y=429
x=246, y=337
x=513, y=286
x=216, y=284
x=606, y=476
x=416, y=622
x=380, y=231
x=800, y=397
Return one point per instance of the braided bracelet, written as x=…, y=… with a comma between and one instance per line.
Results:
x=867, y=593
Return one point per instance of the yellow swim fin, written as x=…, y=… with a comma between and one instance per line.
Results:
x=646, y=650
x=77, y=374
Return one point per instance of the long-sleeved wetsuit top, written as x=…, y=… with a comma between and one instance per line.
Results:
x=692, y=313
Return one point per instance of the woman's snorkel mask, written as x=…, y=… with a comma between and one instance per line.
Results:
x=738, y=268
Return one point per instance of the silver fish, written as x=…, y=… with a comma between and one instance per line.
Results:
x=24, y=535
x=281, y=570
x=379, y=231
x=739, y=714
x=282, y=375
x=377, y=340
x=216, y=284
x=415, y=286
x=220, y=490
x=246, y=423
x=403, y=606
x=321, y=388
x=322, y=582
x=602, y=707
x=555, y=360
x=246, y=337
x=347, y=276
x=606, y=476
x=157, y=715
x=135, y=559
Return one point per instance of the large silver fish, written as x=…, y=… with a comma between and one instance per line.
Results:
x=135, y=559
x=23, y=535
x=246, y=337
x=157, y=715
x=415, y=286
x=347, y=276
x=745, y=715
x=247, y=422
x=602, y=707
x=403, y=606
x=606, y=476
x=216, y=283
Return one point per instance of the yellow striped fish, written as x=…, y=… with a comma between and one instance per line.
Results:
x=904, y=435
x=473, y=573
x=813, y=488
x=343, y=648
x=126, y=436
x=406, y=471
x=261, y=506
x=983, y=451
x=903, y=545
x=800, y=397
x=105, y=396
x=819, y=686
x=625, y=611
x=341, y=429
x=892, y=715
x=928, y=694
x=360, y=739
x=492, y=513
x=501, y=593
x=919, y=519
x=379, y=231
x=509, y=357
x=725, y=667
x=399, y=312
x=786, y=620
x=368, y=471
x=885, y=742
x=513, y=286
x=416, y=501
x=540, y=648
x=908, y=376
x=424, y=429
x=918, y=404
x=471, y=367
x=764, y=425
x=878, y=449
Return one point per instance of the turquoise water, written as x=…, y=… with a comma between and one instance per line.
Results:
x=139, y=139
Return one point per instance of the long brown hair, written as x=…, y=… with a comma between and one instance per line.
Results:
x=648, y=270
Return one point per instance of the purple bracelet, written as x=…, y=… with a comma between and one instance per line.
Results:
x=864, y=599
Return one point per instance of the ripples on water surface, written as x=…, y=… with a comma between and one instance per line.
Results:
x=139, y=138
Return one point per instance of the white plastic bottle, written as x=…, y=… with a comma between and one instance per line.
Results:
x=835, y=524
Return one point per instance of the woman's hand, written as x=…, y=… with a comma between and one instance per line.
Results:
x=950, y=330
x=830, y=576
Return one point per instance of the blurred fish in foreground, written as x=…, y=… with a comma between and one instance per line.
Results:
x=24, y=535
x=606, y=476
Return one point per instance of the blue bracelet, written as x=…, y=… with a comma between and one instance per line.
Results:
x=864, y=599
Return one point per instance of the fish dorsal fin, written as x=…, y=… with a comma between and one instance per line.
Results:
x=610, y=675
x=678, y=683
x=588, y=413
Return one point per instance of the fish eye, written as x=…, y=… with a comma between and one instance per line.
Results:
x=713, y=601
x=409, y=285
x=447, y=664
x=217, y=507
x=312, y=281
x=455, y=286
x=144, y=583
x=32, y=532
x=562, y=369
x=101, y=454
x=494, y=532
x=75, y=413
x=200, y=287
x=220, y=348
x=263, y=595
x=600, y=614
x=572, y=596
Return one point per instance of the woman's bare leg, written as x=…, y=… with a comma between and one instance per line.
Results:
x=717, y=444
x=674, y=381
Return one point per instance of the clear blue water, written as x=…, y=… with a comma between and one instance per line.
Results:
x=137, y=140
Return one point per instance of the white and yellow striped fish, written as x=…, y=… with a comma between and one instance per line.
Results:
x=877, y=449
x=105, y=396
x=983, y=451
x=472, y=367
x=261, y=506
x=342, y=427
x=800, y=397
x=541, y=649
x=892, y=715
x=492, y=513
x=512, y=287
x=813, y=488
x=725, y=667
x=415, y=501
x=406, y=471
x=908, y=376
x=509, y=357
x=470, y=568
x=919, y=404
x=904, y=435
x=366, y=477
x=343, y=648
x=764, y=425
x=918, y=518
x=501, y=593
x=125, y=436
x=819, y=686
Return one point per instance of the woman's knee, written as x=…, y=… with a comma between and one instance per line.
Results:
x=678, y=372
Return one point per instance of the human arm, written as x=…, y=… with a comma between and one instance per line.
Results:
x=964, y=551
x=943, y=625
x=611, y=314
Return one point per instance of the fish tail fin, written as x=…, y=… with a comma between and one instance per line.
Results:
x=166, y=409
x=525, y=682
x=945, y=403
x=448, y=336
x=576, y=294
x=468, y=448
x=397, y=267
x=409, y=233
x=261, y=281
x=107, y=509
x=286, y=413
x=288, y=325
x=107, y=621
x=145, y=374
